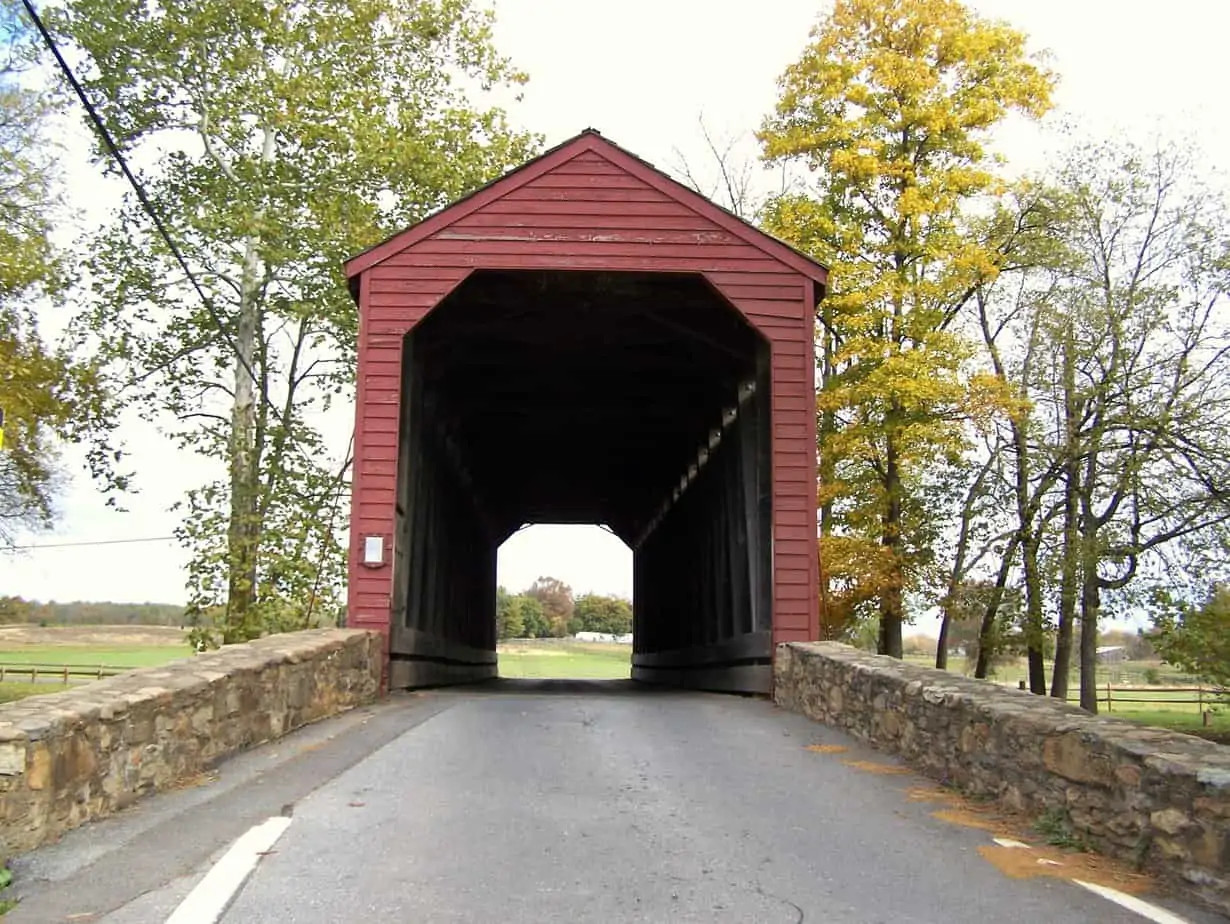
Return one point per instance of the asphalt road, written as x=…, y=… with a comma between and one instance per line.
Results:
x=543, y=802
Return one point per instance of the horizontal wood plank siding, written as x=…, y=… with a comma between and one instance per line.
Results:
x=588, y=212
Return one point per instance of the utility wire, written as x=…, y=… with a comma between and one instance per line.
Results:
x=70, y=545
x=141, y=194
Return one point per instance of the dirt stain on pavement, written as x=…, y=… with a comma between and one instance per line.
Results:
x=961, y=811
x=193, y=780
x=1033, y=861
x=1017, y=854
x=968, y=819
x=871, y=766
x=1021, y=856
x=933, y=794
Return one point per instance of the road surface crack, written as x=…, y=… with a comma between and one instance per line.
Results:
x=785, y=901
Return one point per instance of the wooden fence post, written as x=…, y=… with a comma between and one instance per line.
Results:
x=1108, y=698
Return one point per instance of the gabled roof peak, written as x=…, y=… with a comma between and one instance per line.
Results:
x=589, y=140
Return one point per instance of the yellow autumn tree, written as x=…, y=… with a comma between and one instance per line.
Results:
x=890, y=108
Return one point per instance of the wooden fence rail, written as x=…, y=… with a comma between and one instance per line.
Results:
x=1204, y=696
x=52, y=673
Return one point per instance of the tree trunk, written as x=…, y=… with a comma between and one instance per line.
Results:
x=986, y=632
x=1090, y=604
x=941, y=645
x=1034, y=630
x=891, y=603
x=1069, y=568
x=1030, y=539
x=244, y=527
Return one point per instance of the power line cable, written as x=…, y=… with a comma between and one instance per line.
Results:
x=114, y=149
x=69, y=545
x=143, y=197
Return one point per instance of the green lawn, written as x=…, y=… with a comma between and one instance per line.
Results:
x=1187, y=720
x=111, y=656
x=14, y=691
x=565, y=660
x=121, y=656
x=1158, y=707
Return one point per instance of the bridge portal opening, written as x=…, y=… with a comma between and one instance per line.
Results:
x=638, y=401
x=564, y=604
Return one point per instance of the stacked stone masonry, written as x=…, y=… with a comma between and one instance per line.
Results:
x=68, y=757
x=1155, y=798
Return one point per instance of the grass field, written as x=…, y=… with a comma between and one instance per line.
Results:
x=91, y=656
x=565, y=660
x=85, y=646
x=14, y=691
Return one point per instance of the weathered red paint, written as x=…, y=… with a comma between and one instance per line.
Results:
x=589, y=204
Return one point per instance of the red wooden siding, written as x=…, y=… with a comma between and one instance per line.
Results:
x=589, y=205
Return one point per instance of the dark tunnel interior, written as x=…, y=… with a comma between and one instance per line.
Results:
x=638, y=401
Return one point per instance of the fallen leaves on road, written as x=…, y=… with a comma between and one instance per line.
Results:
x=1016, y=855
x=1036, y=860
x=871, y=766
x=193, y=780
x=827, y=748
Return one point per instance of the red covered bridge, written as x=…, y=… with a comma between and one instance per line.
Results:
x=585, y=340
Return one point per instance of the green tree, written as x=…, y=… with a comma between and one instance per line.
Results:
x=509, y=621
x=597, y=613
x=14, y=610
x=890, y=107
x=533, y=617
x=281, y=138
x=1138, y=388
x=985, y=649
x=1195, y=639
x=48, y=395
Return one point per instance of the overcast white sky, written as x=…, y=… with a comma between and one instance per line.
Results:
x=642, y=71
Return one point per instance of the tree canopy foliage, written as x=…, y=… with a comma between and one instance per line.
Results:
x=48, y=394
x=1023, y=381
x=547, y=609
x=889, y=108
x=280, y=139
x=1196, y=637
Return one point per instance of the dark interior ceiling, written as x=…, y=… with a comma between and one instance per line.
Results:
x=581, y=396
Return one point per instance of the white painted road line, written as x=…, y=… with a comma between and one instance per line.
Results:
x=206, y=903
x=1132, y=903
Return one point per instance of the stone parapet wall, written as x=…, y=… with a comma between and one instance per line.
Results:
x=1156, y=798
x=88, y=751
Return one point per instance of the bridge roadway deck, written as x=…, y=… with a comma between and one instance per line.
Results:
x=564, y=801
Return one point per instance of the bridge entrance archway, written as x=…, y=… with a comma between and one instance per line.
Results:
x=586, y=341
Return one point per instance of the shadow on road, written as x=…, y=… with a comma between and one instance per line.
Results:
x=518, y=686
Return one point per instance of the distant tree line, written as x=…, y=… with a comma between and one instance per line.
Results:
x=17, y=611
x=547, y=609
